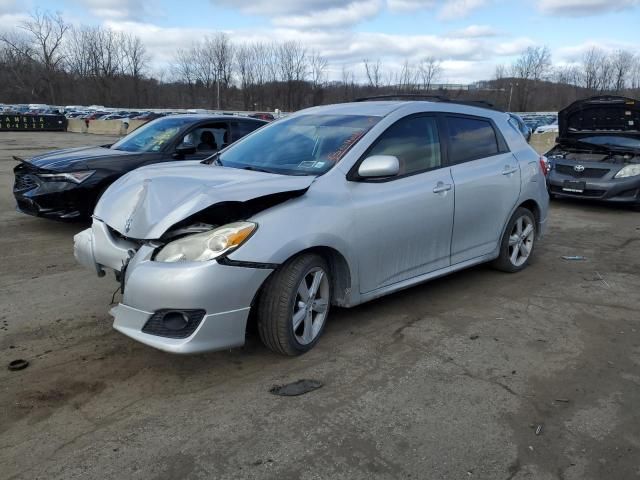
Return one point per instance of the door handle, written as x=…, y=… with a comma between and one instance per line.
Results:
x=508, y=170
x=441, y=187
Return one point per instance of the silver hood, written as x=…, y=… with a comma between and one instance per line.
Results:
x=146, y=202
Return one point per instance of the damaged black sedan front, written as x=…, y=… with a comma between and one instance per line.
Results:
x=598, y=152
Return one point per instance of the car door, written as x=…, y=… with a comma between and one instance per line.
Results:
x=487, y=185
x=403, y=224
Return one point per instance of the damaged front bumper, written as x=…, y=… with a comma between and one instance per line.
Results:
x=213, y=299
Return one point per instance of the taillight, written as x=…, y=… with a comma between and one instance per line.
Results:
x=544, y=165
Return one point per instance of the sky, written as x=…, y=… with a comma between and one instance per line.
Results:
x=470, y=37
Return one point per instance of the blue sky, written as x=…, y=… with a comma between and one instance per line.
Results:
x=469, y=36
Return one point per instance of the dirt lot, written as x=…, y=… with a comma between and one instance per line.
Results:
x=448, y=380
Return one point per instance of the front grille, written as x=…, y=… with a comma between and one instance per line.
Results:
x=24, y=182
x=156, y=326
x=586, y=193
x=586, y=173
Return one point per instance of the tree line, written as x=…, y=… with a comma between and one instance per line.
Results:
x=47, y=60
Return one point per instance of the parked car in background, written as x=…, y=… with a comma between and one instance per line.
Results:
x=262, y=116
x=148, y=116
x=522, y=127
x=333, y=205
x=598, y=152
x=65, y=184
x=551, y=127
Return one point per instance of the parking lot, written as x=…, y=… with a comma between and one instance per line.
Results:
x=477, y=375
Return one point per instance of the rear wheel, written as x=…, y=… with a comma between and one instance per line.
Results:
x=294, y=305
x=517, y=242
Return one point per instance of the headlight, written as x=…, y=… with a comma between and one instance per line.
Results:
x=205, y=246
x=76, y=177
x=628, y=171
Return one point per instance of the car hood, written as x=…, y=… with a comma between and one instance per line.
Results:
x=71, y=159
x=146, y=202
x=603, y=115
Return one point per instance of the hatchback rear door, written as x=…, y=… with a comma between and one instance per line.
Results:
x=487, y=185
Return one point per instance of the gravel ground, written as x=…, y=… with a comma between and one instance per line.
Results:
x=448, y=380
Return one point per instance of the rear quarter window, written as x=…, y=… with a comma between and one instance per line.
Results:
x=470, y=139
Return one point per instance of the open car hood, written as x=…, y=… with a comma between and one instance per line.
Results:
x=146, y=202
x=604, y=115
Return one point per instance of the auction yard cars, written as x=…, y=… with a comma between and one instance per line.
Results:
x=66, y=184
x=598, y=152
x=333, y=205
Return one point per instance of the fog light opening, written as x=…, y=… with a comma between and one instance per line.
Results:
x=175, y=320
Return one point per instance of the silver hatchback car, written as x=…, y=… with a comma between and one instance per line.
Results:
x=333, y=205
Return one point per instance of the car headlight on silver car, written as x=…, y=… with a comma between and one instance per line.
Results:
x=201, y=247
x=628, y=171
x=76, y=177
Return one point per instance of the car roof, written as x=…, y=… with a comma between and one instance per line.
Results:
x=385, y=107
x=206, y=116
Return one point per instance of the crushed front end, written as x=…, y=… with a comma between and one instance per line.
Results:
x=178, y=307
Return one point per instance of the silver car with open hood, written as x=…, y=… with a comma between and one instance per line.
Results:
x=598, y=152
x=333, y=205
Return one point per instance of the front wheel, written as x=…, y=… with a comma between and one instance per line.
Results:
x=517, y=242
x=294, y=305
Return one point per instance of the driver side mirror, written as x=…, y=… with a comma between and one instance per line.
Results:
x=184, y=149
x=378, y=166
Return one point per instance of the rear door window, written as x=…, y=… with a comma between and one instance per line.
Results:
x=470, y=139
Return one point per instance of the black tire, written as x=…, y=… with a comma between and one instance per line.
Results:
x=504, y=262
x=276, y=305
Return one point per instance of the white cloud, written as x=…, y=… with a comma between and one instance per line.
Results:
x=122, y=9
x=514, y=46
x=578, y=8
x=281, y=7
x=476, y=31
x=456, y=9
x=571, y=54
x=409, y=5
x=342, y=16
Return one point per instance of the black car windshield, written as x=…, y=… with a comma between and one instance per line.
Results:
x=300, y=145
x=617, y=141
x=153, y=136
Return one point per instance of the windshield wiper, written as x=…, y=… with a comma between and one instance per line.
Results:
x=215, y=159
x=607, y=147
x=256, y=169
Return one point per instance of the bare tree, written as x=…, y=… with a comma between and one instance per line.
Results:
x=531, y=67
x=373, y=72
x=622, y=64
x=430, y=69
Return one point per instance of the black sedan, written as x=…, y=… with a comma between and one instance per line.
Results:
x=598, y=152
x=66, y=184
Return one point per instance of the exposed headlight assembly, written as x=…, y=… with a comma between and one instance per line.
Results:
x=628, y=171
x=201, y=247
x=76, y=177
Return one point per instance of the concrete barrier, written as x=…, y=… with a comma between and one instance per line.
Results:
x=543, y=142
x=103, y=127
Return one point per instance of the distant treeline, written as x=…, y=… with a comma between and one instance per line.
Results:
x=46, y=60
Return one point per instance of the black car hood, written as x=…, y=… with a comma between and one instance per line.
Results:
x=72, y=159
x=604, y=115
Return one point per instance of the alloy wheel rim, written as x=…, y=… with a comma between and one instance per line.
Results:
x=521, y=241
x=310, y=306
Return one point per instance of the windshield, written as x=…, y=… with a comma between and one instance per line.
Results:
x=300, y=145
x=613, y=141
x=153, y=136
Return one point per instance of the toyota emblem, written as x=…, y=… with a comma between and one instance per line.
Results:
x=579, y=168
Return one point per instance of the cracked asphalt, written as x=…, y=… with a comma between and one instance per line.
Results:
x=448, y=380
